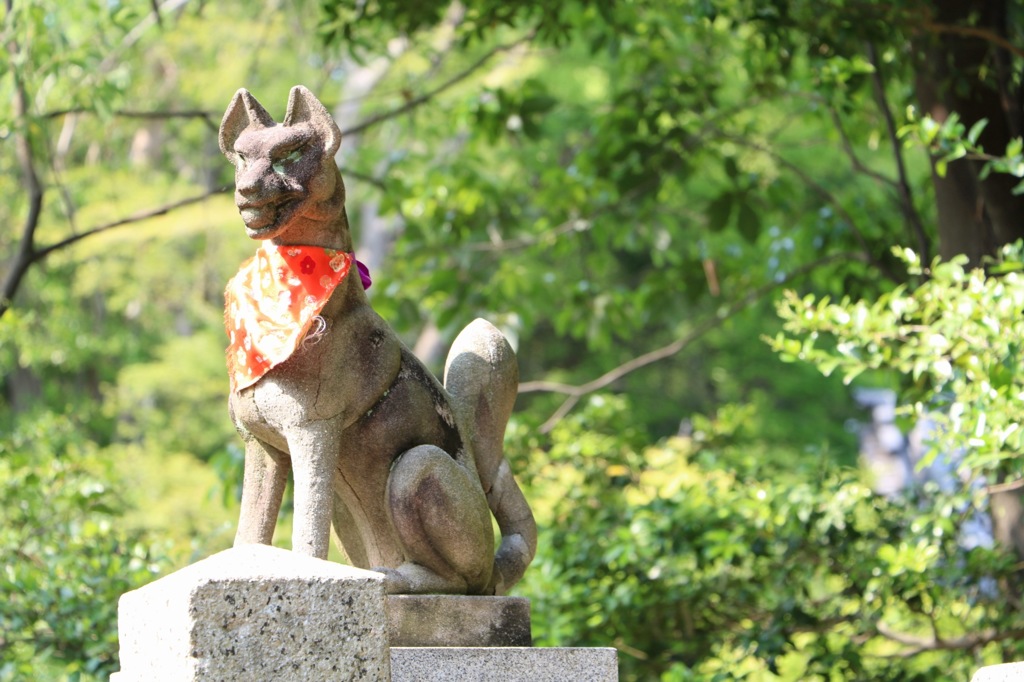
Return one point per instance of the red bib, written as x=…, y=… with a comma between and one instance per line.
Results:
x=271, y=303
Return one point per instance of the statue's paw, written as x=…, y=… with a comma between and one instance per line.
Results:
x=394, y=581
x=411, y=578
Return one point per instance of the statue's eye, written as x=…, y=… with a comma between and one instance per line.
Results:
x=282, y=165
x=240, y=162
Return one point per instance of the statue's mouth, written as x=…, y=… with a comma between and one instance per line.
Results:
x=259, y=219
x=262, y=218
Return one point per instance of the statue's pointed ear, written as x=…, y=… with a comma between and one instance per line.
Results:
x=304, y=107
x=243, y=112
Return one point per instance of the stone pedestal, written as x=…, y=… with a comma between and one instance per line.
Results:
x=441, y=620
x=256, y=613
x=508, y=664
x=446, y=638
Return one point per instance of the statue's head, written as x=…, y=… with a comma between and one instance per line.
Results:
x=284, y=172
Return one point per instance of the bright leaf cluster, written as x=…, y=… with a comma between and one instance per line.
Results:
x=956, y=337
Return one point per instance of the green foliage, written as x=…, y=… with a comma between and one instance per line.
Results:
x=73, y=41
x=956, y=340
x=65, y=558
x=951, y=140
x=953, y=340
x=705, y=558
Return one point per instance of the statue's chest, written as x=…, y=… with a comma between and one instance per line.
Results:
x=334, y=376
x=282, y=401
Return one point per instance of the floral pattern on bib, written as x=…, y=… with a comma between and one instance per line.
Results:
x=270, y=305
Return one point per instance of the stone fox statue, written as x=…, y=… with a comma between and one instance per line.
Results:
x=407, y=470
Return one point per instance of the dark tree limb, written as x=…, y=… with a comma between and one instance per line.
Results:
x=29, y=256
x=208, y=117
x=26, y=160
x=576, y=392
x=364, y=177
x=128, y=113
x=155, y=4
x=910, y=213
x=134, y=218
x=986, y=34
x=855, y=161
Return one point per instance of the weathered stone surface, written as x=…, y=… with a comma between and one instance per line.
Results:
x=408, y=472
x=513, y=664
x=1007, y=672
x=448, y=620
x=256, y=613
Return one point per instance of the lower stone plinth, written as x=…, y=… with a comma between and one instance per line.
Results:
x=1007, y=672
x=256, y=613
x=439, y=620
x=511, y=664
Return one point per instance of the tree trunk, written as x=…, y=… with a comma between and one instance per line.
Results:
x=964, y=72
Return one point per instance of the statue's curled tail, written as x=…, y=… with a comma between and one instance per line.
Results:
x=482, y=378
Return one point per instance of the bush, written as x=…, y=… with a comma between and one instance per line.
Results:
x=703, y=558
x=66, y=561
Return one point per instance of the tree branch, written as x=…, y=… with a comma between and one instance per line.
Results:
x=1004, y=487
x=134, y=218
x=910, y=213
x=852, y=154
x=26, y=259
x=575, y=393
x=427, y=96
x=364, y=177
x=155, y=4
x=208, y=117
x=129, y=113
x=975, y=32
x=917, y=644
x=23, y=149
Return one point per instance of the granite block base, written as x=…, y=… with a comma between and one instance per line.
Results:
x=256, y=613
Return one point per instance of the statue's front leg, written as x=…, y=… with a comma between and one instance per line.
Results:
x=266, y=472
x=314, y=450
